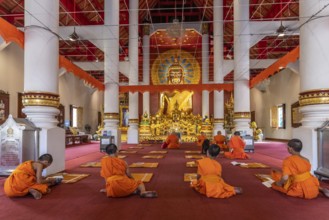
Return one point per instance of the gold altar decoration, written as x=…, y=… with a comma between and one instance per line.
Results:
x=314, y=97
x=229, y=114
x=175, y=67
x=155, y=129
x=40, y=99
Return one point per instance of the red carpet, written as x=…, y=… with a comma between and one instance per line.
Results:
x=176, y=200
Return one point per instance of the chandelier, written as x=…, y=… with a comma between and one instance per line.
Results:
x=175, y=29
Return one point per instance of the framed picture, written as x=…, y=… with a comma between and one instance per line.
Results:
x=296, y=116
x=4, y=106
x=124, y=116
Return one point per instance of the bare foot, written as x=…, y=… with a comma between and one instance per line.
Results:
x=238, y=190
x=324, y=191
x=149, y=194
x=35, y=193
x=102, y=191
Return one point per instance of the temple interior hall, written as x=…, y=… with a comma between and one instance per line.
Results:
x=77, y=75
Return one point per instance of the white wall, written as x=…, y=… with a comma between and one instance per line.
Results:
x=72, y=90
x=283, y=89
x=12, y=74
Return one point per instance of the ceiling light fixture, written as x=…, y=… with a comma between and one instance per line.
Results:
x=281, y=30
x=74, y=36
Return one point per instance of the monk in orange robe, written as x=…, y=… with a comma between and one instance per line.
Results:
x=27, y=179
x=119, y=182
x=237, y=145
x=200, y=140
x=209, y=181
x=172, y=141
x=295, y=179
x=220, y=140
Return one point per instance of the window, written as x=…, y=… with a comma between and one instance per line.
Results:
x=76, y=114
x=278, y=116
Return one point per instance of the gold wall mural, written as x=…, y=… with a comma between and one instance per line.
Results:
x=175, y=67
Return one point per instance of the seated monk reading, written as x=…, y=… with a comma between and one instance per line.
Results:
x=295, y=178
x=172, y=141
x=220, y=140
x=237, y=145
x=119, y=182
x=27, y=178
x=209, y=178
x=200, y=140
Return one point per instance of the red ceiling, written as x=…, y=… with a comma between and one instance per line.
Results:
x=91, y=12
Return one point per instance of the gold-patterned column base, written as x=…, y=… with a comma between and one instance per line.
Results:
x=133, y=121
x=219, y=120
x=242, y=115
x=314, y=97
x=108, y=115
x=40, y=99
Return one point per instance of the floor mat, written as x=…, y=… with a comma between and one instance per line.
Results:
x=144, y=177
x=158, y=152
x=189, y=177
x=191, y=164
x=144, y=165
x=153, y=156
x=70, y=177
x=194, y=156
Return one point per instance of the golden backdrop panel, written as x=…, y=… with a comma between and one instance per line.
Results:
x=175, y=67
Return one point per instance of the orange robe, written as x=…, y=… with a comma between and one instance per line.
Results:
x=22, y=179
x=211, y=183
x=172, y=141
x=118, y=184
x=237, y=144
x=200, y=141
x=300, y=183
x=220, y=141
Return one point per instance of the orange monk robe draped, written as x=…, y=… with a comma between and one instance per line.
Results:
x=200, y=141
x=300, y=183
x=22, y=179
x=172, y=141
x=118, y=184
x=237, y=144
x=211, y=183
x=220, y=141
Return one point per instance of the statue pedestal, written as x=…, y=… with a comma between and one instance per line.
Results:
x=207, y=129
x=144, y=133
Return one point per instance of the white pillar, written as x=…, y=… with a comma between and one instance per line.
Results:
x=146, y=67
x=111, y=69
x=41, y=97
x=218, y=67
x=314, y=77
x=241, y=66
x=132, y=134
x=205, y=69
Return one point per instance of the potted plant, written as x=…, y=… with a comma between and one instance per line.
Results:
x=87, y=128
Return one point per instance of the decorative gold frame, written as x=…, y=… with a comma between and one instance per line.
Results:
x=296, y=116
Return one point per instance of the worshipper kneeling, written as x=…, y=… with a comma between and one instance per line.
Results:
x=209, y=181
x=236, y=144
x=220, y=140
x=119, y=182
x=172, y=141
x=27, y=178
x=200, y=139
x=205, y=146
x=295, y=178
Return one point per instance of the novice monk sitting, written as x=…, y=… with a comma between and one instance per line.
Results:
x=119, y=182
x=295, y=178
x=172, y=141
x=220, y=140
x=201, y=138
x=209, y=179
x=27, y=178
x=237, y=145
